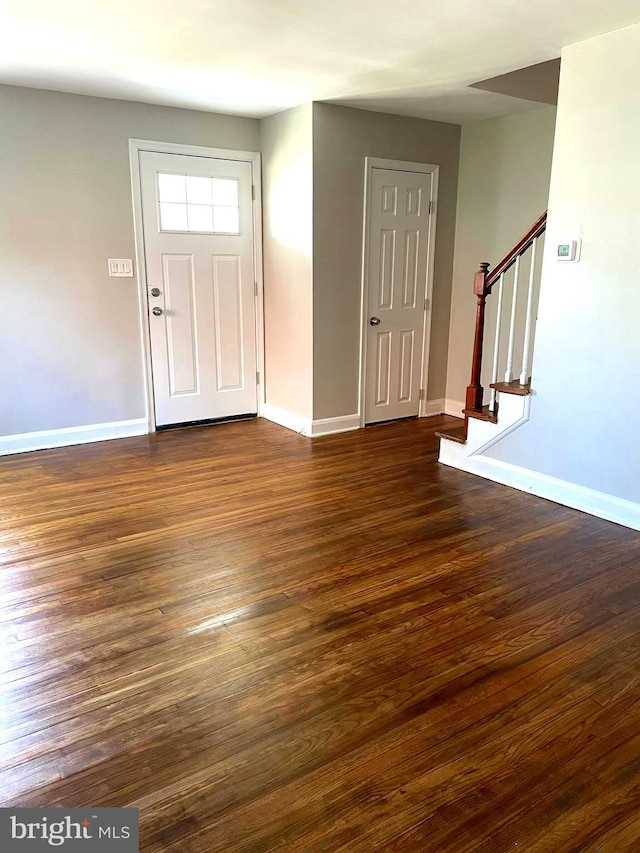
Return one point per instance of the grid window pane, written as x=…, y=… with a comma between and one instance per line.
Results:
x=226, y=220
x=173, y=217
x=198, y=190
x=192, y=203
x=225, y=192
x=171, y=188
x=200, y=217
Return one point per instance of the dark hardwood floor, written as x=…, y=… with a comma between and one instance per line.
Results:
x=267, y=643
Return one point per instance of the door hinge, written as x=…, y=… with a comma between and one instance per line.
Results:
x=257, y=378
x=430, y=207
x=426, y=304
x=421, y=394
x=255, y=288
x=253, y=194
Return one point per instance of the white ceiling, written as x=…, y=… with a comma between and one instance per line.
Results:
x=257, y=57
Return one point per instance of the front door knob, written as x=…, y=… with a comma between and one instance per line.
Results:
x=374, y=321
x=157, y=311
x=155, y=291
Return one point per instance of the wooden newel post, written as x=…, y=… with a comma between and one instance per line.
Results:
x=475, y=391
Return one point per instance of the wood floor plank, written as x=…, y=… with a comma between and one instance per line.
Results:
x=270, y=643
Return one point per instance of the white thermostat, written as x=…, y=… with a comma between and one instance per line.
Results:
x=568, y=250
x=120, y=268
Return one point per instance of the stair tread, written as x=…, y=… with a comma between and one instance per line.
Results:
x=453, y=434
x=513, y=387
x=482, y=414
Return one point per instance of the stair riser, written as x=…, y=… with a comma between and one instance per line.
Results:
x=482, y=435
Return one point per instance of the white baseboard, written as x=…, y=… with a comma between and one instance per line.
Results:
x=287, y=419
x=600, y=504
x=329, y=426
x=27, y=441
x=444, y=407
x=453, y=408
x=434, y=407
x=305, y=426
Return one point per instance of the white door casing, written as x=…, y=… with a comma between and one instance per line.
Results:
x=397, y=263
x=203, y=343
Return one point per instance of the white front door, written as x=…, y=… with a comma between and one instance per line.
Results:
x=398, y=250
x=198, y=244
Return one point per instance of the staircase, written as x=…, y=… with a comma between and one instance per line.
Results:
x=489, y=417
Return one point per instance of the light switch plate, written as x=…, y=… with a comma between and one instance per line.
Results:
x=120, y=268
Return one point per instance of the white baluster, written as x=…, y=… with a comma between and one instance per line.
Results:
x=496, y=346
x=508, y=375
x=524, y=376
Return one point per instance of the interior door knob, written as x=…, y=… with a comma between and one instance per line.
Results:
x=374, y=321
x=157, y=311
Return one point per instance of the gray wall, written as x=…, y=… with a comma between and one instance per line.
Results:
x=505, y=169
x=585, y=413
x=286, y=143
x=342, y=138
x=69, y=335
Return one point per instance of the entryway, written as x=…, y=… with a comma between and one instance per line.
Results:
x=198, y=234
x=397, y=281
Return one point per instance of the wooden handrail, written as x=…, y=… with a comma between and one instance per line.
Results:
x=482, y=284
x=520, y=247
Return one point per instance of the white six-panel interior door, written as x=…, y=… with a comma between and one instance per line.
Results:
x=199, y=255
x=399, y=211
